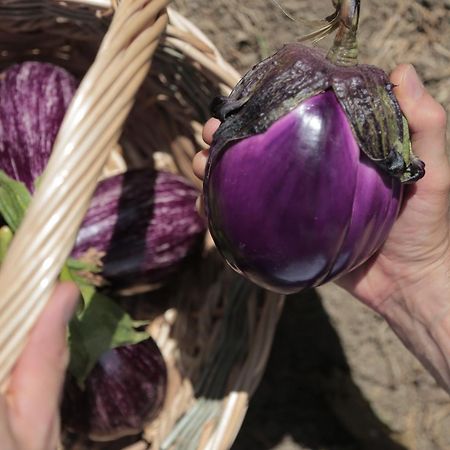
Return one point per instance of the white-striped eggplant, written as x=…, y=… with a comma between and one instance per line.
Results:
x=124, y=390
x=142, y=224
x=34, y=97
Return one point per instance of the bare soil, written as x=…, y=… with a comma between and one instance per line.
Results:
x=338, y=378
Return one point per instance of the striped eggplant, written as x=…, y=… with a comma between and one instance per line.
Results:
x=124, y=390
x=142, y=224
x=34, y=97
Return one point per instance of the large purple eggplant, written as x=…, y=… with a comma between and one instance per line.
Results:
x=304, y=179
x=143, y=224
x=124, y=390
x=34, y=98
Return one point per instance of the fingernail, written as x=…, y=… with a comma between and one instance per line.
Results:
x=412, y=83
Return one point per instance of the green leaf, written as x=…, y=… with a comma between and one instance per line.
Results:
x=101, y=326
x=69, y=274
x=14, y=200
x=5, y=240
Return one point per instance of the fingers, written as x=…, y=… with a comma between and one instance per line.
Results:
x=6, y=436
x=209, y=130
x=424, y=114
x=427, y=121
x=199, y=163
x=200, y=205
x=37, y=379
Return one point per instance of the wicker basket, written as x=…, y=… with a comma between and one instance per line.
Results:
x=216, y=339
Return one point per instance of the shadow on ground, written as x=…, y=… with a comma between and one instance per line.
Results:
x=307, y=393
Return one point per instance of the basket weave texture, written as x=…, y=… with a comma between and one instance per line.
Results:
x=216, y=335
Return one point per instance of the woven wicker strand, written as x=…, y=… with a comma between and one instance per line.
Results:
x=92, y=126
x=236, y=404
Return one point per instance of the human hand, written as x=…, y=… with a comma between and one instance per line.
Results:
x=418, y=245
x=408, y=280
x=29, y=409
x=419, y=241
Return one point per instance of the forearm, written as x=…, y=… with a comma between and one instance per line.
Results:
x=419, y=313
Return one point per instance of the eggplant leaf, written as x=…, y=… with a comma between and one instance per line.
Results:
x=14, y=200
x=97, y=327
x=5, y=239
x=100, y=324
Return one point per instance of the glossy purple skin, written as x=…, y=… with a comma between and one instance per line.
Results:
x=299, y=204
x=125, y=390
x=145, y=223
x=34, y=98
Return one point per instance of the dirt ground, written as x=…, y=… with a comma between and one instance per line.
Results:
x=338, y=379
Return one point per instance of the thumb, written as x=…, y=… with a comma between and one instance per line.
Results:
x=427, y=121
x=37, y=379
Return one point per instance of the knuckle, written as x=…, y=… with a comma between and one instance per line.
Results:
x=438, y=115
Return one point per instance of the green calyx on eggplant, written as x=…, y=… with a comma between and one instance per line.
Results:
x=296, y=73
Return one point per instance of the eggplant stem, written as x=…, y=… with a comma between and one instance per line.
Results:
x=344, y=51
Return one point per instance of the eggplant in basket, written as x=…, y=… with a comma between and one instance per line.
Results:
x=140, y=226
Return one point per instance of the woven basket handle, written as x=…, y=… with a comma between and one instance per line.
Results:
x=91, y=127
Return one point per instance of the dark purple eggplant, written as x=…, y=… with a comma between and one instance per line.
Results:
x=143, y=224
x=34, y=98
x=305, y=175
x=124, y=390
